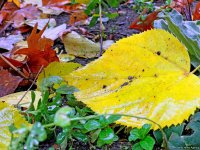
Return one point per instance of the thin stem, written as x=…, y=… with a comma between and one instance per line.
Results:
x=15, y=68
x=195, y=70
x=49, y=125
x=12, y=66
x=30, y=86
x=101, y=29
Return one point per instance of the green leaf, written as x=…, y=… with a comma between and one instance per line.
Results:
x=144, y=130
x=193, y=139
x=91, y=6
x=113, y=3
x=134, y=135
x=37, y=134
x=65, y=89
x=147, y=143
x=168, y=131
x=137, y=147
x=61, y=137
x=112, y=118
x=92, y=125
x=80, y=136
x=112, y=15
x=106, y=136
x=95, y=135
x=49, y=82
x=93, y=21
x=176, y=141
x=19, y=136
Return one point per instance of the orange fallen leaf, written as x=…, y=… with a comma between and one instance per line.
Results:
x=146, y=24
x=196, y=14
x=39, y=51
x=77, y=16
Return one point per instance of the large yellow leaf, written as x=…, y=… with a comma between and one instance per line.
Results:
x=146, y=75
x=8, y=115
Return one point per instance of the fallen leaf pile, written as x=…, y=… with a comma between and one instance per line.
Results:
x=29, y=60
x=11, y=14
x=146, y=75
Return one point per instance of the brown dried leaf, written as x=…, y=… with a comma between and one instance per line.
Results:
x=8, y=83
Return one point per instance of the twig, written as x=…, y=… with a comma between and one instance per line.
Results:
x=15, y=68
x=2, y=3
x=30, y=86
x=12, y=66
x=101, y=29
x=197, y=68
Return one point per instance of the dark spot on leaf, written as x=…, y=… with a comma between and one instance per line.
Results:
x=130, y=78
x=155, y=75
x=124, y=84
x=142, y=70
x=86, y=79
x=158, y=53
x=104, y=86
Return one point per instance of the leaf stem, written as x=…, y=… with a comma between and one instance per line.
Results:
x=48, y=125
x=195, y=70
x=15, y=68
x=30, y=86
x=101, y=29
x=12, y=66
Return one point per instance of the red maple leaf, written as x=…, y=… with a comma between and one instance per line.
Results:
x=144, y=24
x=39, y=51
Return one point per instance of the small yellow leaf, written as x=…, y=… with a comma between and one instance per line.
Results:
x=145, y=75
x=14, y=98
x=57, y=69
x=9, y=115
x=66, y=57
x=79, y=46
